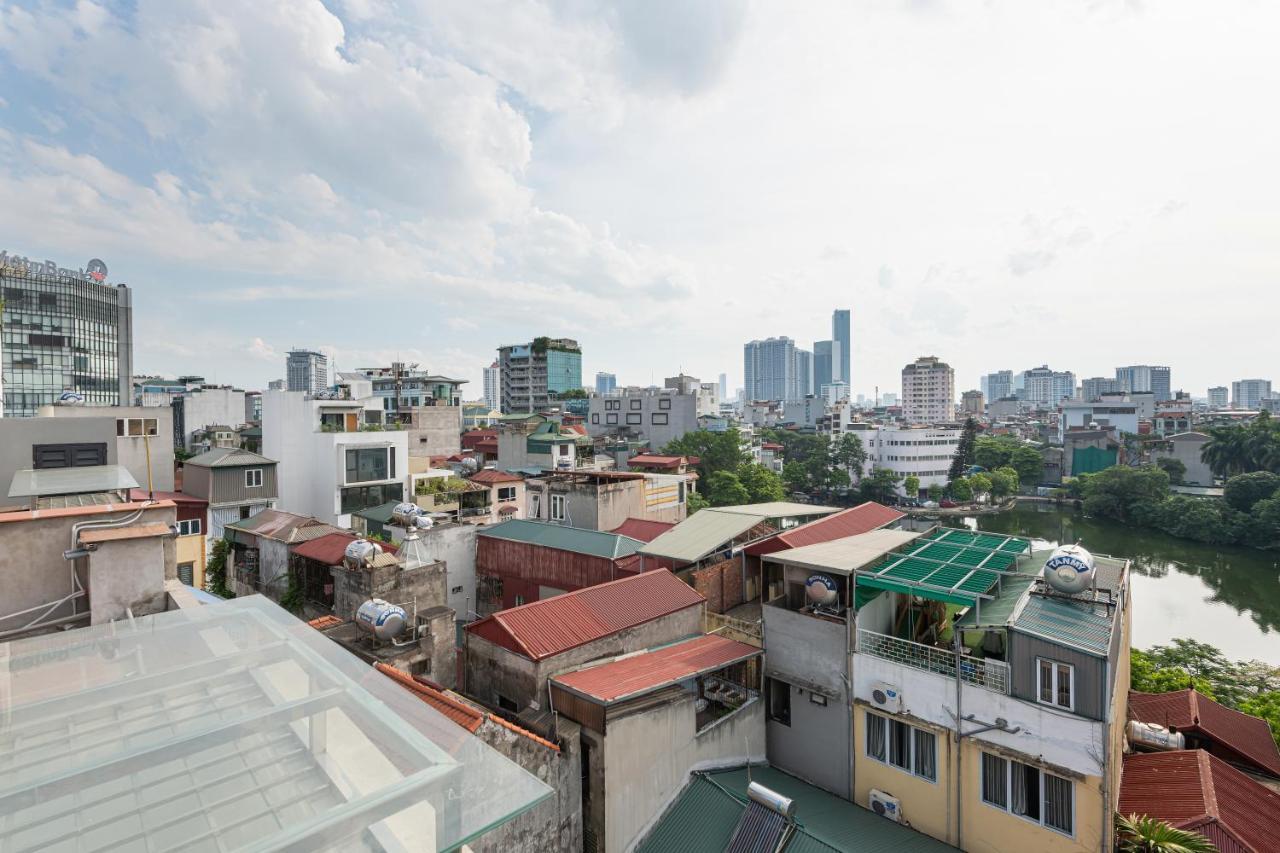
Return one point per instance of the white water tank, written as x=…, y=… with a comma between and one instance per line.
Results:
x=404, y=513
x=771, y=799
x=821, y=590
x=360, y=554
x=382, y=619
x=1069, y=569
x=1153, y=736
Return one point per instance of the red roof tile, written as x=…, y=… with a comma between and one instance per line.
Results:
x=542, y=629
x=850, y=522
x=1187, y=711
x=490, y=476
x=322, y=622
x=650, y=460
x=530, y=735
x=637, y=674
x=1192, y=789
x=464, y=715
x=643, y=529
x=328, y=549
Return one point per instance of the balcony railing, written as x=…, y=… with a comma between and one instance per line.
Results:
x=990, y=674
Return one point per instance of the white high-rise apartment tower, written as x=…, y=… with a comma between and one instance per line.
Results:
x=928, y=391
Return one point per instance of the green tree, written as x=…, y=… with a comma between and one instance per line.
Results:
x=839, y=479
x=964, y=456
x=215, y=570
x=1264, y=523
x=994, y=451
x=881, y=486
x=1028, y=462
x=1196, y=518
x=935, y=493
x=1200, y=660
x=762, y=485
x=572, y=394
x=961, y=490
x=695, y=502
x=795, y=477
x=1244, y=490
x=716, y=451
x=848, y=453
x=980, y=483
x=725, y=489
x=911, y=485
x=1116, y=492
x=1267, y=706
x=1004, y=482
x=1142, y=834
x=1173, y=467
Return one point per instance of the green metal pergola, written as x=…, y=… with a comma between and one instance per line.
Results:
x=947, y=564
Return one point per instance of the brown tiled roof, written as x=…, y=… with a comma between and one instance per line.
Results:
x=1191, y=789
x=542, y=629
x=1187, y=711
x=642, y=673
x=464, y=715
x=491, y=476
x=850, y=522
x=133, y=531
x=650, y=460
x=320, y=623
x=643, y=529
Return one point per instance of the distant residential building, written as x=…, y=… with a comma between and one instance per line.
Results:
x=1045, y=387
x=774, y=370
x=998, y=384
x=843, y=359
x=657, y=417
x=253, y=407
x=1145, y=377
x=204, y=406
x=535, y=374
x=402, y=388
x=89, y=436
x=922, y=451
x=1219, y=397
x=1093, y=388
x=826, y=357
x=335, y=455
x=1248, y=394
x=724, y=387
x=539, y=443
x=605, y=382
x=928, y=391
x=276, y=385
x=972, y=403
x=493, y=387
x=1120, y=416
x=306, y=370
x=479, y=415
x=65, y=330
x=236, y=484
x=1188, y=448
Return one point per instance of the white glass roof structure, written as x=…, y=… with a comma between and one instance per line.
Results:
x=31, y=483
x=232, y=726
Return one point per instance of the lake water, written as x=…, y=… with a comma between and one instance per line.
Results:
x=1227, y=597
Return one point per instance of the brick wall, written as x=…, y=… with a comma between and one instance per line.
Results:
x=720, y=584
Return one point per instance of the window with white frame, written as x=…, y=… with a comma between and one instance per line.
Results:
x=506, y=494
x=535, y=505
x=900, y=745
x=1028, y=792
x=189, y=527
x=557, y=507
x=1055, y=684
x=252, y=478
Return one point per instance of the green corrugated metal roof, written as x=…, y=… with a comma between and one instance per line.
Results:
x=1078, y=624
x=380, y=513
x=703, y=817
x=611, y=546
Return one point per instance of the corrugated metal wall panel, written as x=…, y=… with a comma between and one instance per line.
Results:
x=578, y=709
x=1090, y=698
x=228, y=485
x=543, y=566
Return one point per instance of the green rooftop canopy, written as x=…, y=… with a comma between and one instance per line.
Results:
x=954, y=566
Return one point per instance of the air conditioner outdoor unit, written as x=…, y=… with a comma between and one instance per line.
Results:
x=886, y=806
x=886, y=697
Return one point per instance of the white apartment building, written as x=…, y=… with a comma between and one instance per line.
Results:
x=203, y=407
x=924, y=451
x=334, y=456
x=928, y=391
x=652, y=415
x=1248, y=394
x=1218, y=398
x=1047, y=387
x=493, y=387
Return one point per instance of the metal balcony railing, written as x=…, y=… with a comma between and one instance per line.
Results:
x=989, y=674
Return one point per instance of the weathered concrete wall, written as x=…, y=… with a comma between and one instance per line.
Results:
x=815, y=746
x=32, y=569
x=805, y=650
x=555, y=824
x=492, y=670
x=435, y=431
x=455, y=546
x=127, y=576
x=648, y=757
x=424, y=585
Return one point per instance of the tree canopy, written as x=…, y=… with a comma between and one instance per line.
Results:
x=964, y=458
x=1005, y=451
x=1244, y=448
x=716, y=451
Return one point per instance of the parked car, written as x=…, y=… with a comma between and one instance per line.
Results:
x=948, y=504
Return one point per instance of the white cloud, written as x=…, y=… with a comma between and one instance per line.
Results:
x=259, y=348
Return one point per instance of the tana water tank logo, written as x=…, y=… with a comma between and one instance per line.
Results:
x=97, y=270
x=1069, y=569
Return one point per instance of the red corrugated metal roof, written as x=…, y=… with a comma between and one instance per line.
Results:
x=328, y=549
x=651, y=460
x=545, y=628
x=1192, y=789
x=489, y=476
x=638, y=674
x=862, y=518
x=1188, y=711
x=464, y=715
x=643, y=529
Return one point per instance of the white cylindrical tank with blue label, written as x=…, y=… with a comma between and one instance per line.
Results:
x=1069, y=569
x=382, y=619
x=821, y=590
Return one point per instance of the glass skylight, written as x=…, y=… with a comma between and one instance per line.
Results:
x=232, y=726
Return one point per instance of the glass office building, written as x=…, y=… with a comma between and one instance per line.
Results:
x=63, y=330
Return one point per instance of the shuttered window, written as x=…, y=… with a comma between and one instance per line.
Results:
x=187, y=573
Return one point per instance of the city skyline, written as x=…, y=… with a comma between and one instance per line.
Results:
x=607, y=187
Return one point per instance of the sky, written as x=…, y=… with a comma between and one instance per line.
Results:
x=1082, y=183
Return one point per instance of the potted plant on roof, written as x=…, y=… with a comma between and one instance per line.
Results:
x=1142, y=834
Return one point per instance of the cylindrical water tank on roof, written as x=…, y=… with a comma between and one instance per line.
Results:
x=1152, y=736
x=1069, y=569
x=382, y=619
x=360, y=554
x=404, y=513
